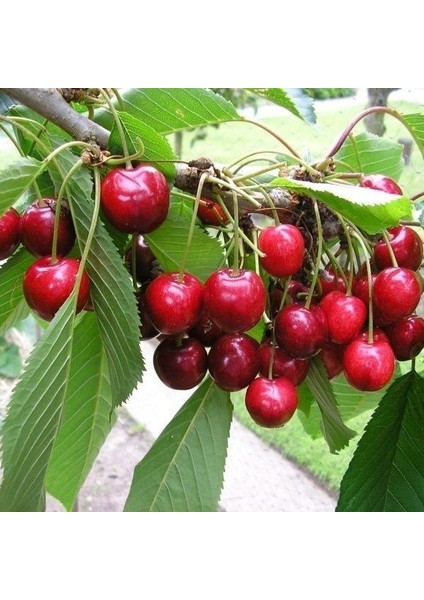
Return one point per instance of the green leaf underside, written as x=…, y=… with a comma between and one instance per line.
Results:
x=386, y=473
x=371, y=210
x=369, y=153
x=13, y=307
x=34, y=415
x=169, y=241
x=167, y=110
x=415, y=124
x=87, y=415
x=15, y=178
x=183, y=471
x=295, y=100
x=156, y=147
x=111, y=288
x=335, y=432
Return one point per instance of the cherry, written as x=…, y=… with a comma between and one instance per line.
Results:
x=331, y=281
x=180, y=364
x=147, y=329
x=397, y=292
x=300, y=331
x=360, y=290
x=406, y=337
x=332, y=357
x=9, y=233
x=174, y=304
x=211, y=213
x=295, y=293
x=284, y=248
x=205, y=331
x=234, y=301
x=382, y=183
x=284, y=365
x=346, y=316
x=271, y=402
x=146, y=265
x=368, y=366
x=407, y=248
x=135, y=200
x=233, y=361
x=47, y=285
x=37, y=227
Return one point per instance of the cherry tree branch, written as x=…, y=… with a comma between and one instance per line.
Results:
x=49, y=103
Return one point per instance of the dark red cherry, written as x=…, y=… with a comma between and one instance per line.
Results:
x=211, y=213
x=205, y=331
x=360, y=290
x=9, y=233
x=284, y=365
x=147, y=329
x=180, y=364
x=407, y=248
x=174, y=302
x=300, y=331
x=331, y=282
x=397, y=292
x=48, y=285
x=346, y=316
x=233, y=361
x=284, y=248
x=406, y=337
x=135, y=200
x=234, y=301
x=368, y=366
x=146, y=265
x=382, y=183
x=332, y=357
x=297, y=292
x=37, y=227
x=271, y=402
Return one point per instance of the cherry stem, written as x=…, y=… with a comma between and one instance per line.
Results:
x=134, y=261
x=343, y=176
x=351, y=253
x=255, y=160
x=275, y=135
x=93, y=225
x=389, y=248
x=369, y=276
x=336, y=266
x=240, y=160
x=319, y=255
x=119, y=126
x=119, y=99
x=236, y=236
x=285, y=292
x=416, y=196
x=227, y=183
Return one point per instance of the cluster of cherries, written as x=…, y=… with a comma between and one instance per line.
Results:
x=189, y=316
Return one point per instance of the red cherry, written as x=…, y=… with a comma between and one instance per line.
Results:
x=407, y=248
x=48, y=285
x=360, y=290
x=368, y=366
x=300, y=331
x=284, y=248
x=147, y=329
x=211, y=213
x=205, y=331
x=9, y=233
x=173, y=305
x=332, y=357
x=284, y=365
x=145, y=260
x=37, y=227
x=135, y=200
x=296, y=293
x=180, y=364
x=346, y=316
x=397, y=292
x=271, y=402
x=233, y=361
x=406, y=337
x=382, y=183
x=234, y=301
x=330, y=282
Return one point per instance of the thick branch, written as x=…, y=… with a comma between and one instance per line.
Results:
x=48, y=103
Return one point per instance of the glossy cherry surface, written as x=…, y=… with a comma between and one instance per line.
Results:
x=48, y=285
x=180, y=364
x=299, y=330
x=383, y=183
x=407, y=248
x=271, y=402
x=147, y=329
x=330, y=282
x=296, y=292
x=284, y=365
x=37, y=227
x=346, y=316
x=406, y=337
x=135, y=200
x=145, y=260
x=368, y=366
x=211, y=213
x=174, y=305
x=284, y=248
x=332, y=356
x=233, y=361
x=9, y=233
x=205, y=331
x=360, y=290
x=397, y=292
x=234, y=301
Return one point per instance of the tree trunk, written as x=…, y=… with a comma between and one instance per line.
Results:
x=374, y=123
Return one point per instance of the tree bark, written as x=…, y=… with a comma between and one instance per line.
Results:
x=374, y=123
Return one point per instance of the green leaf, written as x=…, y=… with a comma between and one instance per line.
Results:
x=167, y=110
x=13, y=307
x=369, y=209
x=183, y=471
x=387, y=470
x=15, y=178
x=87, y=414
x=5, y=103
x=156, y=147
x=10, y=361
x=295, y=100
x=336, y=434
x=415, y=125
x=169, y=241
x=368, y=153
x=34, y=415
